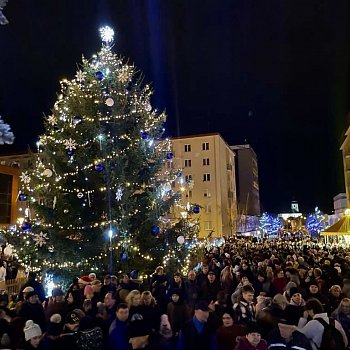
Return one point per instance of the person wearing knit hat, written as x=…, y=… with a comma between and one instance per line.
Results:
x=55, y=325
x=32, y=334
x=252, y=339
x=92, y=276
x=83, y=281
x=28, y=289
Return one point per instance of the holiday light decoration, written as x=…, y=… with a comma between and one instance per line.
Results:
x=315, y=223
x=114, y=178
x=269, y=224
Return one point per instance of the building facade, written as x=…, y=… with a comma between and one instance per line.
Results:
x=247, y=176
x=345, y=148
x=208, y=164
x=10, y=170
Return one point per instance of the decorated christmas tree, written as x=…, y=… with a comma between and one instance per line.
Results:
x=101, y=184
x=315, y=223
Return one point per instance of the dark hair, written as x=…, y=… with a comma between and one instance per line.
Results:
x=314, y=305
x=248, y=289
x=122, y=306
x=113, y=294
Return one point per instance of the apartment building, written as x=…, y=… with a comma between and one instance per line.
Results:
x=208, y=164
x=248, y=195
x=345, y=148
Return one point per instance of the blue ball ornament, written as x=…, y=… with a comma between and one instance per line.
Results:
x=70, y=153
x=179, y=174
x=144, y=135
x=124, y=257
x=22, y=197
x=169, y=155
x=99, y=167
x=99, y=75
x=26, y=226
x=155, y=230
x=77, y=119
x=196, y=210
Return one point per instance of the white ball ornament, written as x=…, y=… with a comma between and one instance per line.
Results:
x=8, y=250
x=47, y=172
x=181, y=239
x=80, y=195
x=109, y=102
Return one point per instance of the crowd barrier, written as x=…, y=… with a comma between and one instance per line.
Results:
x=13, y=286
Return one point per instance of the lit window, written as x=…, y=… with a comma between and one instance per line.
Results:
x=206, y=177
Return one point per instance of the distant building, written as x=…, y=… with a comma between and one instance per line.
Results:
x=345, y=148
x=247, y=176
x=340, y=203
x=209, y=164
x=10, y=169
x=295, y=207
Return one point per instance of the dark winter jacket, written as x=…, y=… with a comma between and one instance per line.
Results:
x=298, y=341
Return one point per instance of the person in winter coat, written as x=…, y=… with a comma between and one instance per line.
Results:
x=286, y=337
x=33, y=336
x=177, y=311
x=118, y=334
x=252, y=339
x=32, y=310
x=191, y=289
x=197, y=333
x=244, y=308
x=279, y=282
x=229, y=332
x=89, y=336
x=313, y=329
x=342, y=314
x=335, y=296
x=268, y=317
x=150, y=310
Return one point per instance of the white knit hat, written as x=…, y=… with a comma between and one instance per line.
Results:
x=31, y=330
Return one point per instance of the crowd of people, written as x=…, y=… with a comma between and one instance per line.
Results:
x=244, y=295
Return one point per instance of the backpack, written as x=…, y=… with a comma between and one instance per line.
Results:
x=332, y=339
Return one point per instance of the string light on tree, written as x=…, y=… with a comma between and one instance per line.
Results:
x=116, y=154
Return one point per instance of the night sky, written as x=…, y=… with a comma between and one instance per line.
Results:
x=271, y=73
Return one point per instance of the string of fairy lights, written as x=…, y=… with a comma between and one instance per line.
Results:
x=78, y=126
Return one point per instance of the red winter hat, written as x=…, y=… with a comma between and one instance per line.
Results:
x=84, y=280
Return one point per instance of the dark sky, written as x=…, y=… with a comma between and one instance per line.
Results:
x=270, y=72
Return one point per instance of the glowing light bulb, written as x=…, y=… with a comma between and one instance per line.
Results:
x=107, y=34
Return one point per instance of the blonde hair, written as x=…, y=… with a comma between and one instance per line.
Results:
x=147, y=293
x=131, y=296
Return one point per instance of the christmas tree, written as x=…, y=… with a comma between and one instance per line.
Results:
x=101, y=186
x=315, y=223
